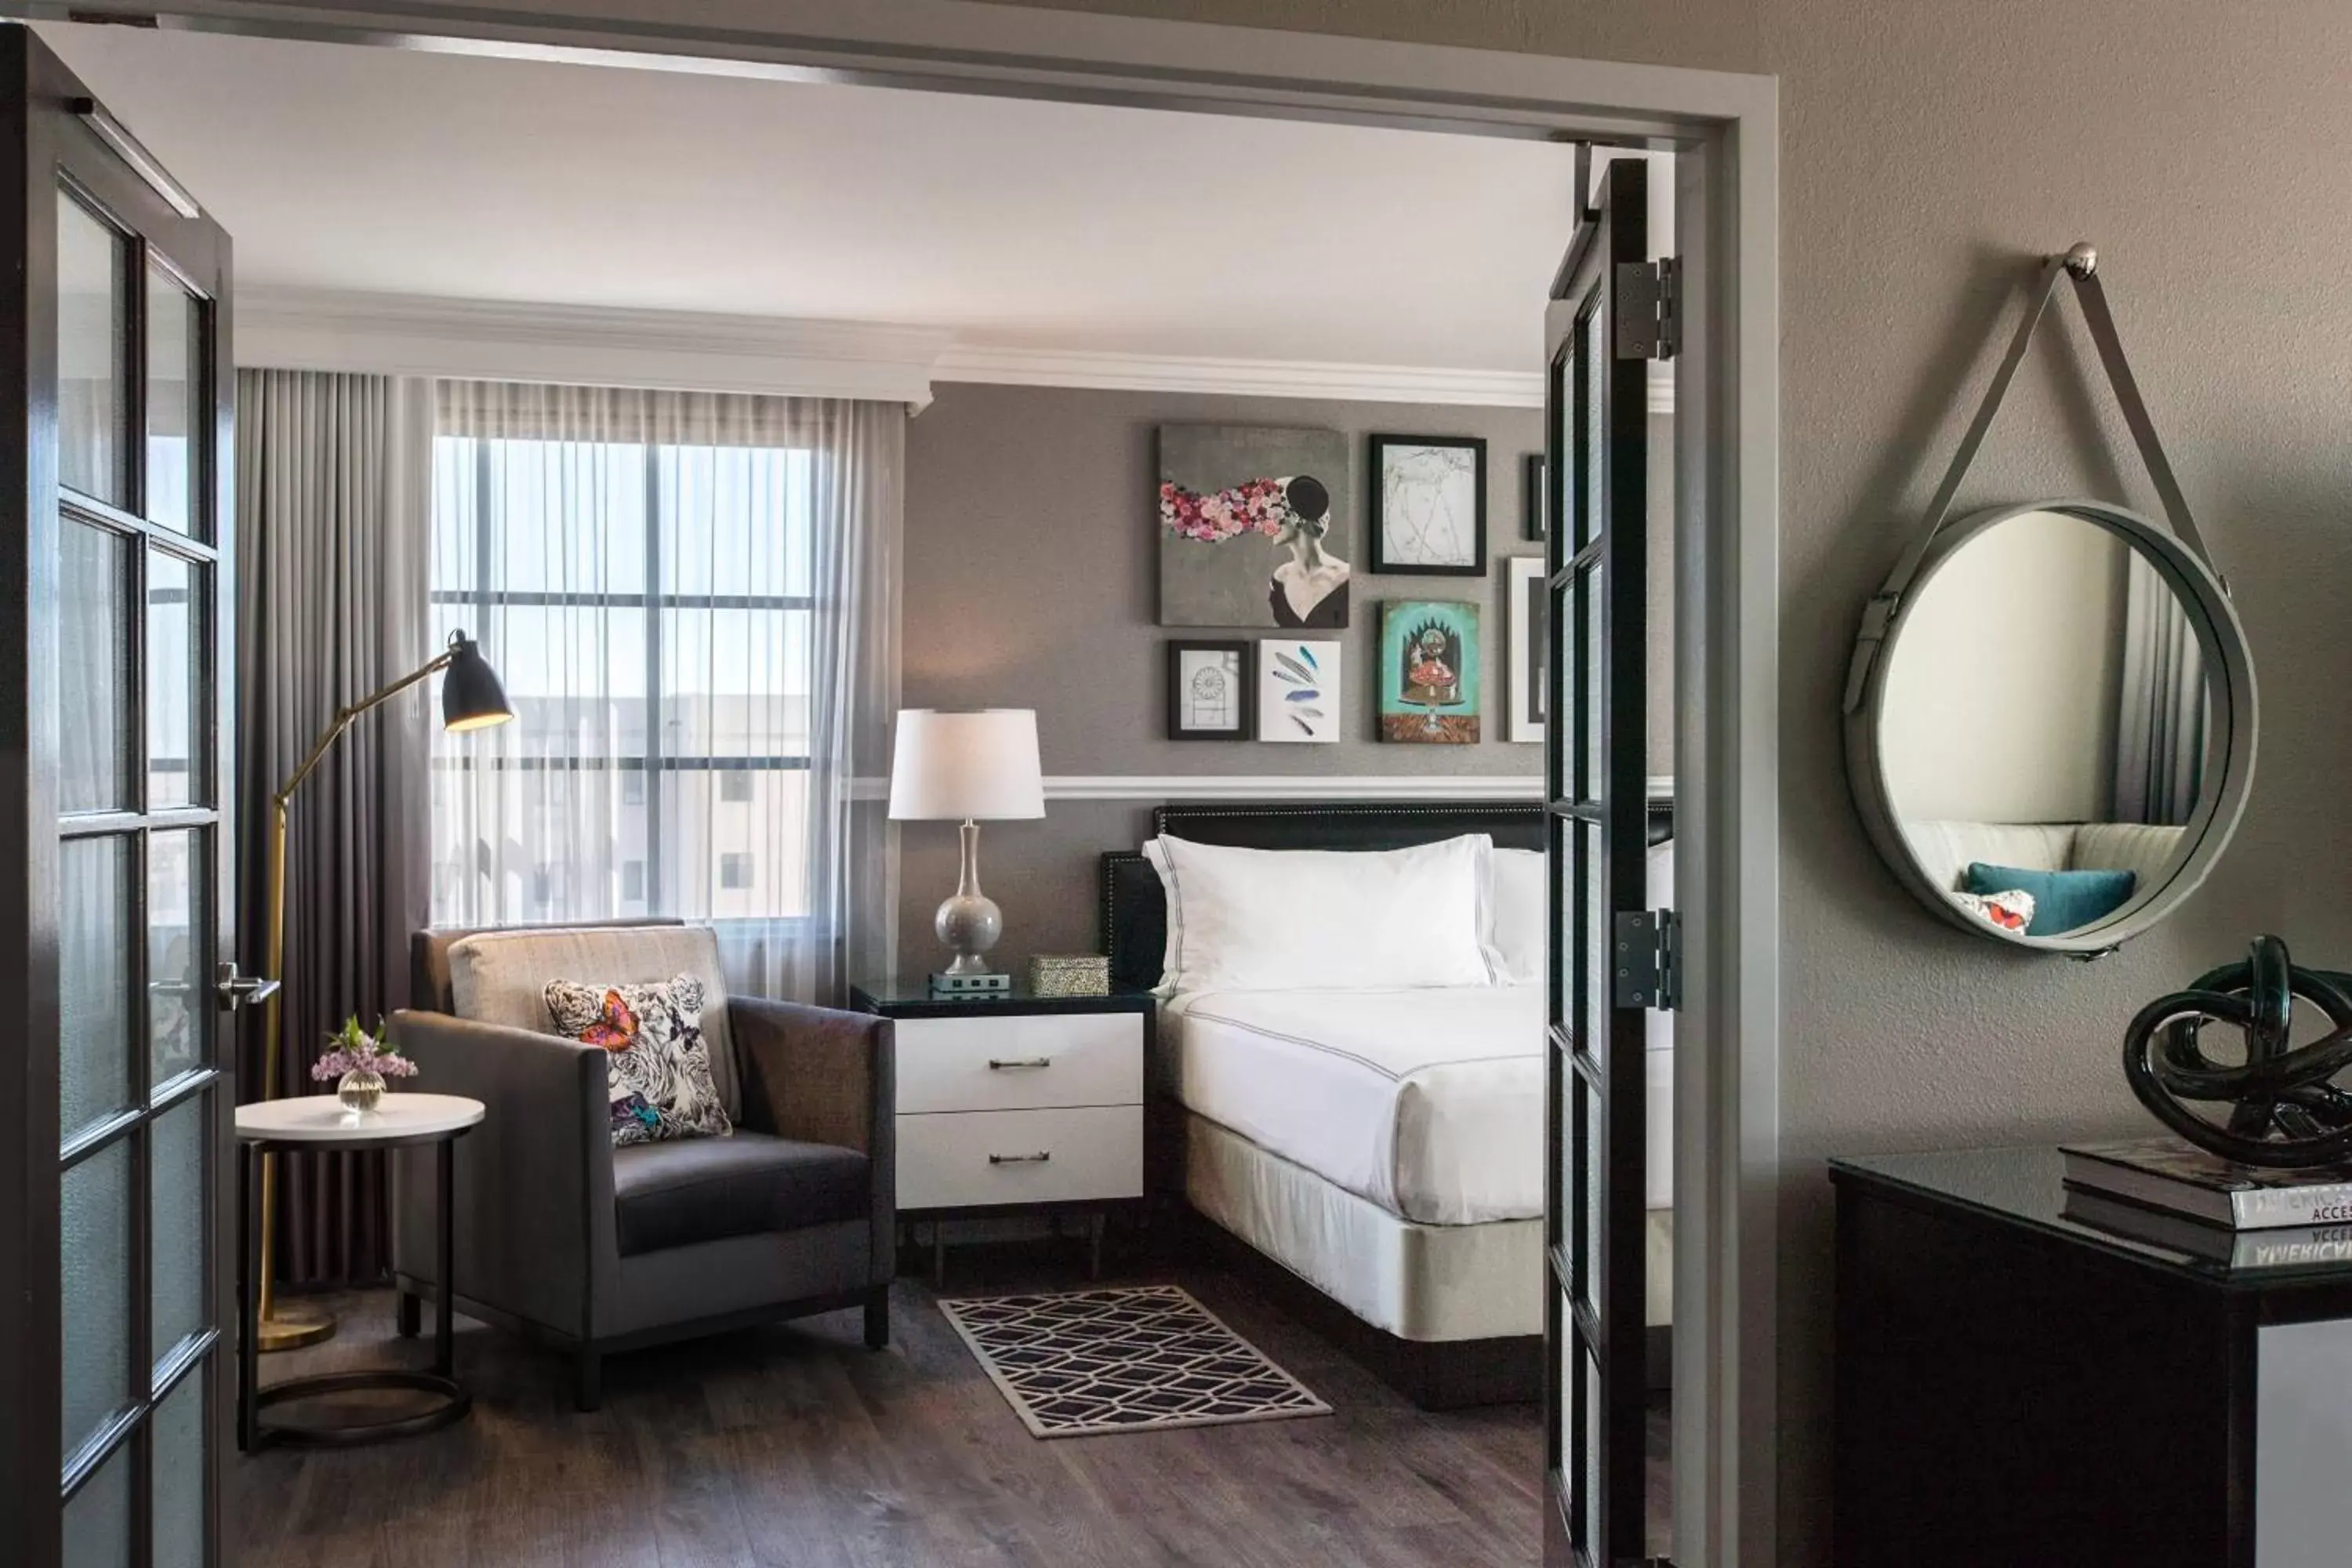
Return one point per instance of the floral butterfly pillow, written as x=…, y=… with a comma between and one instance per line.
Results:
x=659, y=1070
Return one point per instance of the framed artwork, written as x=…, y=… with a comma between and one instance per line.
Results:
x=1524, y=603
x=1299, y=690
x=1535, y=505
x=1429, y=505
x=1429, y=673
x=1208, y=691
x=1254, y=527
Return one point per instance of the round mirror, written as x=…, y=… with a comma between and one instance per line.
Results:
x=2056, y=736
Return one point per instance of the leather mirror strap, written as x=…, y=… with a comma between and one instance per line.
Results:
x=2081, y=265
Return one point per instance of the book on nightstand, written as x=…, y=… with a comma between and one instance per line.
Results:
x=2283, y=1246
x=2173, y=1174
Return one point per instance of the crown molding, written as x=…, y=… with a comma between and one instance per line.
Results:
x=400, y=334
x=1002, y=366
x=404, y=334
x=999, y=365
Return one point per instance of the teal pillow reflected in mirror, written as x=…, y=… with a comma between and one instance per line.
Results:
x=2063, y=900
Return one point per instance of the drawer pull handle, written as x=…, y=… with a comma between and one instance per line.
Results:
x=1039, y=1158
x=996, y=1065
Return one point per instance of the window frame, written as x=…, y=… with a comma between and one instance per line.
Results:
x=656, y=764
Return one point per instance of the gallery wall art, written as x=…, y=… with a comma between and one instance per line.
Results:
x=1535, y=504
x=1526, y=603
x=1208, y=691
x=1429, y=505
x=1429, y=672
x=1255, y=527
x=1299, y=690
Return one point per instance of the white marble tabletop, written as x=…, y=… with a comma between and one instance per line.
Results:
x=321, y=1119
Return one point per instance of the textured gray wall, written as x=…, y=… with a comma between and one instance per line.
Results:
x=1925, y=151
x=1031, y=582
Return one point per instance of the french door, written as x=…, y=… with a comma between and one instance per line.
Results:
x=114, y=629
x=1606, y=319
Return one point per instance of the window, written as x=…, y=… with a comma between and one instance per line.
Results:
x=648, y=607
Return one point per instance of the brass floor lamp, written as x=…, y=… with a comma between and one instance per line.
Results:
x=471, y=699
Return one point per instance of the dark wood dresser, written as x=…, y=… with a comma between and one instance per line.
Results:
x=2020, y=1388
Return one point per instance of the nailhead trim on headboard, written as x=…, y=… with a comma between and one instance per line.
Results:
x=1138, y=922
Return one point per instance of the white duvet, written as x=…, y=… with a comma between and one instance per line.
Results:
x=1429, y=1102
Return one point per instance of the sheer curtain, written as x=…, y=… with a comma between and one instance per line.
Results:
x=693, y=600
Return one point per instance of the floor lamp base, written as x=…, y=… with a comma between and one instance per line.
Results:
x=289, y=1328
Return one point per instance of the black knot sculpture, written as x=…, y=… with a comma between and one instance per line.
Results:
x=2284, y=1110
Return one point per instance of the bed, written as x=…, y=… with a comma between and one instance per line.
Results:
x=1375, y=1154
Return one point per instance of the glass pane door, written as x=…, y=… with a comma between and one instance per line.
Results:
x=137, y=530
x=1597, y=598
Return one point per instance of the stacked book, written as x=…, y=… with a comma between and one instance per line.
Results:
x=2168, y=1193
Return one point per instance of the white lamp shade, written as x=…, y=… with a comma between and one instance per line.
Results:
x=950, y=766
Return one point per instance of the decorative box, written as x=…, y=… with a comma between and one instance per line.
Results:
x=1069, y=975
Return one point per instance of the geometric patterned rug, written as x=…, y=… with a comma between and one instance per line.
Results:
x=1079, y=1364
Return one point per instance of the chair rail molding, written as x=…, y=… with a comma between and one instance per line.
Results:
x=1164, y=787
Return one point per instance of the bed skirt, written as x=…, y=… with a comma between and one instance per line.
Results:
x=1427, y=1283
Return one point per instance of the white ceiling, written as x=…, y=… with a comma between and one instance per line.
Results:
x=1032, y=226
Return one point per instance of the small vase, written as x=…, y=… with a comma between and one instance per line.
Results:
x=360, y=1090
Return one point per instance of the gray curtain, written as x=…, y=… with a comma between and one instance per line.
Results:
x=2161, y=717
x=334, y=479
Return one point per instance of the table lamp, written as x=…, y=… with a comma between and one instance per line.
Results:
x=471, y=699
x=972, y=768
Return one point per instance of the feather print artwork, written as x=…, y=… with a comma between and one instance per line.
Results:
x=1298, y=690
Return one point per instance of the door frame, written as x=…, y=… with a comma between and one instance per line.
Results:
x=1725, y=128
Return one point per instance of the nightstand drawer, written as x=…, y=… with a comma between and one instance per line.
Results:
x=1022, y=1062
x=971, y=1159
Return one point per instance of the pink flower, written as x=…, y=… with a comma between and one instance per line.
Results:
x=1256, y=506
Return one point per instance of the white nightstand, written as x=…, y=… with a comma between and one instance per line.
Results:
x=1016, y=1102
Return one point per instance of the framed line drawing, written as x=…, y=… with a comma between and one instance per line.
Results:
x=1523, y=609
x=1429, y=505
x=1209, y=691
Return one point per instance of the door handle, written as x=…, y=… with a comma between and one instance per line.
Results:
x=1018, y=1063
x=238, y=990
x=1039, y=1158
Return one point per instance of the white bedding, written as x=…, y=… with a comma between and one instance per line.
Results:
x=1428, y=1102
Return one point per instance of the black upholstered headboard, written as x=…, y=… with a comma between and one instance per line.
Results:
x=1135, y=912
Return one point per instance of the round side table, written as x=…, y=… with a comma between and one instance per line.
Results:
x=320, y=1122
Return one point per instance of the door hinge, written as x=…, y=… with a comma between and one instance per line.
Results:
x=1649, y=959
x=1650, y=308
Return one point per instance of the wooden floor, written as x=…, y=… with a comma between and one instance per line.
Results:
x=795, y=1446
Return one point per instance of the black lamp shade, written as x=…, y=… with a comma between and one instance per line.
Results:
x=471, y=696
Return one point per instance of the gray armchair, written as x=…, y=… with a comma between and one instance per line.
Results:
x=596, y=1250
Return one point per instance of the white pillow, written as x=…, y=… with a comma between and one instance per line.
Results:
x=1292, y=920
x=1518, y=912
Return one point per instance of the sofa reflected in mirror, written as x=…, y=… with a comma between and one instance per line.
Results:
x=2053, y=730
x=594, y=1249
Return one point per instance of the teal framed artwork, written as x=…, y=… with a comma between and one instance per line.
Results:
x=1430, y=673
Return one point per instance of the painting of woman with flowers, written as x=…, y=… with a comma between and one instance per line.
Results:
x=1252, y=527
